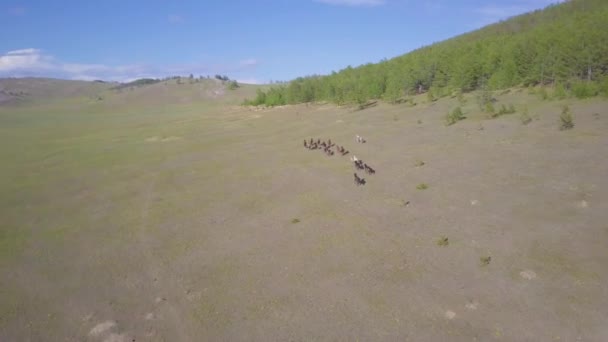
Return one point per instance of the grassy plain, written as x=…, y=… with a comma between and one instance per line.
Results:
x=169, y=212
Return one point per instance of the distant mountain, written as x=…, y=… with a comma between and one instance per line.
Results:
x=18, y=90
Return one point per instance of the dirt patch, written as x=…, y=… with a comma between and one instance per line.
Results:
x=102, y=328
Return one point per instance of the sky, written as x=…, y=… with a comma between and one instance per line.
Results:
x=252, y=41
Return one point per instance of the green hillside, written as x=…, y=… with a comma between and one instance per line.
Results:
x=564, y=45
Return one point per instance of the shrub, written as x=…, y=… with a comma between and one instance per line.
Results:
x=233, y=85
x=295, y=220
x=542, y=93
x=525, y=117
x=485, y=261
x=566, y=120
x=422, y=186
x=584, y=90
x=559, y=92
x=461, y=98
x=483, y=98
x=443, y=241
x=489, y=108
x=504, y=110
x=431, y=96
x=603, y=86
x=454, y=116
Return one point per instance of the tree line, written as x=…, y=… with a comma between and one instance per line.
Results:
x=564, y=45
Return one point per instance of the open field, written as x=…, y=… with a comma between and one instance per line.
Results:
x=170, y=213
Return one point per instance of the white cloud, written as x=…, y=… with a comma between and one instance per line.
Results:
x=352, y=3
x=24, y=59
x=175, y=19
x=249, y=81
x=34, y=62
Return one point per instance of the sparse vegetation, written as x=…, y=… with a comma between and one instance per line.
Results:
x=233, y=85
x=430, y=96
x=543, y=94
x=559, y=92
x=485, y=100
x=524, y=117
x=454, y=116
x=503, y=111
x=443, y=241
x=460, y=96
x=566, y=120
x=485, y=261
x=419, y=163
x=489, y=109
x=584, y=89
x=422, y=186
x=295, y=220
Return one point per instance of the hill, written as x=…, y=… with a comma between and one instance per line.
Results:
x=31, y=89
x=564, y=45
x=140, y=93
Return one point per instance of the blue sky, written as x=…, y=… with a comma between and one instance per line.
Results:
x=249, y=40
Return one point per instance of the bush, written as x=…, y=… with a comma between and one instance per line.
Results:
x=525, y=117
x=430, y=96
x=483, y=98
x=489, y=108
x=566, y=120
x=454, y=116
x=233, y=85
x=603, y=86
x=422, y=186
x=559, y=92
x=503, y=110
x=485, y=261
x=584, y=90
x=460, y=97
x=542, y=93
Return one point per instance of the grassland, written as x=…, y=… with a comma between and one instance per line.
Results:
x=167, y=213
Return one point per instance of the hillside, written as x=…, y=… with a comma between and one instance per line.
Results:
x=564, y=45
x=25, y=91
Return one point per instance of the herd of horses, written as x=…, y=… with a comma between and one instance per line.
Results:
x=326, y=147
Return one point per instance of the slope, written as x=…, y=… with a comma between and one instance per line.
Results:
x=565, y=45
